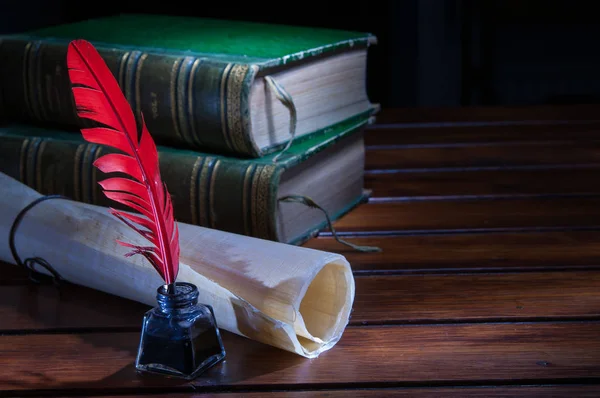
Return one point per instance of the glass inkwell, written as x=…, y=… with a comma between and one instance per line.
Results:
x=179, y=337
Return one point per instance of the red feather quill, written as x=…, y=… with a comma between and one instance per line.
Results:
x=99, y=98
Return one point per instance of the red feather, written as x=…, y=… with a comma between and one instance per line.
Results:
x=99, y=98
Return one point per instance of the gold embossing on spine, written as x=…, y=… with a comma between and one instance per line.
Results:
x=23, y=161
x=223, y=102
x=33, y=84
x=1, y=97
x=31, y=78
x=49, y=93
x=182, y=99
x=86, y=171
x=246, y=187
x=55, y=91
x=95, y=186
x=26, y=82
x=39, y=183
x=39, y=83
x=234, y=113
x=203, y=195
x=173, y=91
x=211, y=192
x=31, y=166
x=263, y=202
x=194, y=190
x=130, y=70
x=77, y=172
x=154, y=104
x=190, y=97
x=122, y=67
x=254, y=187
x=138, y=73
x=260, y=213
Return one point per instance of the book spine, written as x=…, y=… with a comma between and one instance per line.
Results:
x=3, y=103
x=213, y=192
x=186, y=101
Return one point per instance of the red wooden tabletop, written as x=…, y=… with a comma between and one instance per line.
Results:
x=488, y=284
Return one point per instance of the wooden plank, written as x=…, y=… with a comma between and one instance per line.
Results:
x=436, y=134
x=364, y=357
x=379, y=300
x=546, y=391
x=13, y=274
x=489, y=113
x=477, y=298
x=483, y=183
x=472, y=215
x=488, y=155
x=470, y=252
x=44, y=307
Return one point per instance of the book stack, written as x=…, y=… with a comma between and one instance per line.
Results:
x=248, y=117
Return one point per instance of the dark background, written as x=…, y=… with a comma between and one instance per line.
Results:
x=430, y=53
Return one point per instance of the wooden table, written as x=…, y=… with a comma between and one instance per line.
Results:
x=488, y=285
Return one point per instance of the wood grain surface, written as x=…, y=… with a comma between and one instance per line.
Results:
x=491, y=114
x=503, y=132
x=398, y=355
x=532, y=214
x=380, y=300
x=547, y=391
x=488, y=284
x=504, y=183
x=489, y=155
x=470, y=252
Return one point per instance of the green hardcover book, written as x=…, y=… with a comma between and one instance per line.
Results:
x=232, y=194
x=201, y=84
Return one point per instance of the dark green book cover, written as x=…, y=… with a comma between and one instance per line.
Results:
x=190, y=77
x=232, y=194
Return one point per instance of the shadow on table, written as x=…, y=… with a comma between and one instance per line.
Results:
x=100, y=343
x=247, y=362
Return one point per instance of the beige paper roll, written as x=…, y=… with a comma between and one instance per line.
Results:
x=294, y=298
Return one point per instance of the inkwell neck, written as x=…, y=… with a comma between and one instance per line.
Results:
x=185, y=296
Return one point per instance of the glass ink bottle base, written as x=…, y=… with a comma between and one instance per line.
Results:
x=179, y=337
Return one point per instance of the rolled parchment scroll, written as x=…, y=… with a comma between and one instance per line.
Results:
x=291, y=297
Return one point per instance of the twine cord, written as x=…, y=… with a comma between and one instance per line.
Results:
x=305, y=200
x=30, y=263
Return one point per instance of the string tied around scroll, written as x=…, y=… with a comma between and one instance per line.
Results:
x=31, y=262
x=305, y=200
x=286, y=99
